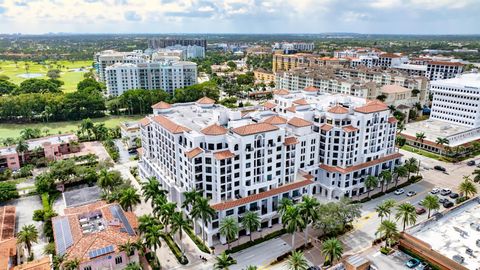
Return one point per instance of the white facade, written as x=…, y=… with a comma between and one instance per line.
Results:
x=107, y=58
x=457, y=100
x=121, y=77
x=188, y=52
x=440, y=70
x=249, y=161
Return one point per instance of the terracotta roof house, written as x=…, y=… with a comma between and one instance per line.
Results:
x=8, y=242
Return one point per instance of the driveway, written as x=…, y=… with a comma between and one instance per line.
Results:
x=260, y=255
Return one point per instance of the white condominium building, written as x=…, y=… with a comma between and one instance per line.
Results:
x=107, y=58
x=190, y=51
x=457, y=100
x=167, y=75
x=298, y=144
x=439, y=70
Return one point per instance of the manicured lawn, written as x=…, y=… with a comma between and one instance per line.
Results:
x=68, y=75
x=13, y=130
x=422, y=152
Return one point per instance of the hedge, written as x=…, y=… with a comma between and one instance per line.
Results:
x=197, y=240
x=175, y=249
x=257, y=241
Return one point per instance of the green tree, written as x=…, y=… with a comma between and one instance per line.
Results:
x=332, y=250
x=467, y=187
x=223, y=261
x=411, y=165
x=386, y=176
x=292, y=221
x=420, y=136
x=251, y=221
x=7, y=88
x=129, y=198
x=105, y=180
x=133, y=266
x=202, y=210
x=251, y=267
x=406, y=214
x=129, y=248
x=151, y=189
x=28, y=235
x=229, y=229
x=297, y=261
x=385, y=209
x=165, y=213
x=309, y=213
x=399, y=171
x=71, y=264
x=231, y=65
x=388, y=230
x=431, y=203
x=53, y=74
x=152, y=235
x=179, y=223
x=22, y=147
x=190, y=198
x=283, y=205
x=8, y=191
x=370, y=182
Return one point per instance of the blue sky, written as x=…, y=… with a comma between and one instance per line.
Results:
x=241, y=16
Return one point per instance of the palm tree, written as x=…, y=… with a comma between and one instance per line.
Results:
x=431, y=203
x=309, y=212
x=388, y=229
x=223, y=262
x=392, y=108
x=442, y=141
x=282, y=206
x=370, y=182
x=71, y=264
x=165, y=213
x=190, y=198
x=296, y=261
x=87, y=127
x=179, y=223
x=229, y=229
x=21, y=148
x=382, y=211
x=129, y=198
x=129, y=248
x=202, y=210
x=399, y=171
x=332, y=250
x=292, y=221
x=411, y=165
x=467, y=187
x=151, y=189
x=407, y=214
x=420, y=136
x=105, y=180
x=152, y=235
x=386, y=177
x=476, y=175
x=133, y=266
x=145, y=222
x=251, y=222
x=27, y=236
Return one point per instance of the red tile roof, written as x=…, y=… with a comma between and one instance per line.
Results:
x=445, y=63
x=275, y=120
x=8, y=243
x=252, y=129
x=389, y=55
x=311, y=89
x=350, y=128
x=206, y=100
x=301, y=101
x=194, y=152
x=291, y=109
x=169, y=124
x=145, y=121
x=290, y=140
x=40, y=264
x=214, y=130
x=392, y=119
x=161, y=105
x=360, y=166
x=269, y=105
x=326, y=127
x=299, y=122
x=281, y=92
x=223, y=155
x=372, y=106
x=337, y=109
x=256, y=197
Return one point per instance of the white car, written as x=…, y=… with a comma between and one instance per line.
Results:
x=435, y=190
x=399, y=191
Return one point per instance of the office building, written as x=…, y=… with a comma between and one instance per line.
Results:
x=107, y=58
x=167, y=75
x=158, y=43
x=297, y=144
x=440, y=70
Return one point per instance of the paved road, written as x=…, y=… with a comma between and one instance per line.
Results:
x=260, y=255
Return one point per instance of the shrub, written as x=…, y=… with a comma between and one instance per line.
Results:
x=415, y=178
x=385, y=250
x=460, y=199
x=8, y=191
x=197, y=240
x=257, y=241
x=38, y=215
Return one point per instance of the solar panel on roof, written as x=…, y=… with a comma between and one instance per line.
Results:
x=100, y=251
x=117, y=212
x=63, y=235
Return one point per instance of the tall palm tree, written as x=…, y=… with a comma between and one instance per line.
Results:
x=229, y=229
x=388, y=229
x=133, y=266
x=71, y=264
x=292, y=221
x=392, y=108
x=165, y=213
x=190, y=198
x=282, y=206
x=151, y=189
x=431, y=203
x=297, y=261
x=251, y=222
x=467, y=188
x=179, y=223
x=105, y=180
x=411, y=165
x=152, y=235
x=332, y=250
x=370, y=182
x=145, y=222
x=22, y=147
x=27, y=236
x=129, y=198
x=309, y=212
x=399, y=171
x=129, y=248
x=223, y=261
x=420, y=136
x=202, y=210
x=382, y=211
x=386, y=176
x=407, y=214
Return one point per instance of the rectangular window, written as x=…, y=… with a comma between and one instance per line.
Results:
x=118, y=260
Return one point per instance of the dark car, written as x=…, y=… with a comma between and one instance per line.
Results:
x=471, y=163
x=420, y=210
x=454, y=195
x=442, y=200
x=448, y=204
x=313, y=268
x=440, y=168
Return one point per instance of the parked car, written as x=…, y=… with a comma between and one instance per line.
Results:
x=471, y=163
x=445, y=191
x=411, y=193
x=454, y=195
x=422, y=266
x=440, y=168
x=399, y=191
x=459, y=259
x=448, y=204
x=442, y=200
x=469, y=251
x=420, y=210
x=412, y=263
x=435, y=190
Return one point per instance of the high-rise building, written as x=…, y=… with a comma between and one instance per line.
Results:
x=189, y=51
x=167, y=75
x=439, y=70
x=158, y=43
x=107, y=58
x=297, y=144
x=286, y=62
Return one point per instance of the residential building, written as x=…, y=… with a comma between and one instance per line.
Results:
x=167, y=75
x=130, y=131
x=298, y=144
x=51, y=148
x=295, y=46
x=384, y=60
x=107, y=58
x=45, y=263
x=286, y=62
x=158, y=43
x=412, y=69
x=264, y=76
x=93, y=233
x=187, y=52
x=8, y=242
x=440, y=70
x=259, y=50
x=357, y=53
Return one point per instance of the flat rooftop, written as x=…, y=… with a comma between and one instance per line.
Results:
x=453, y=233
x=471, y=80
x=81, y=196
x=323, y=101
x=434, y=129
x=54, y=139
